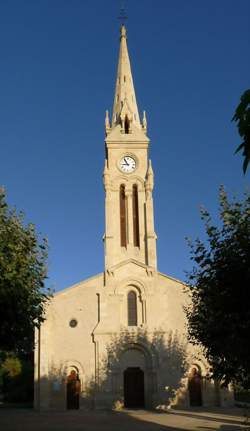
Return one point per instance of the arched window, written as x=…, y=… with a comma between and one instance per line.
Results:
x=123, y=223
x=132, y=309
x=136, y=217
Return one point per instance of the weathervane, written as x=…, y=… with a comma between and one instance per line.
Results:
x=122, y=17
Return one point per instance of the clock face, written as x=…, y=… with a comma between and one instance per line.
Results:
x=127, y=164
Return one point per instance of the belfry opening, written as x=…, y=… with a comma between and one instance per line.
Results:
x=126, y=125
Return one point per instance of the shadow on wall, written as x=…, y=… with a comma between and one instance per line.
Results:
x=65, y=388
x=162, y=357
x=163, y=360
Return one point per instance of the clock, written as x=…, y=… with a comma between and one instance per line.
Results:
x=127, y=164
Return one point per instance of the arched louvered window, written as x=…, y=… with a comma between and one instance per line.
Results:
x=123, y=223
x=136, y=217
x=132, y=309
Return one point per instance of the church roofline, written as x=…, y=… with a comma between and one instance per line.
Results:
x=67, y=289
x=172, y=278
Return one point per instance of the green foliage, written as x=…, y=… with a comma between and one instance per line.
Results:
x=242, y=118
x=22, y=274
x=12, y=366
x=219, y=284
x=16, y=378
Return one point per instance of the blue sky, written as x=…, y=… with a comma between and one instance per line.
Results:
x=190, y=63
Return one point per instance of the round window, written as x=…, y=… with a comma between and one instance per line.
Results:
x=73, y=323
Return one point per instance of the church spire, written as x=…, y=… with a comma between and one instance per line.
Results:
x=125, y=106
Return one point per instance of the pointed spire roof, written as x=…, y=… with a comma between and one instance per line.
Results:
x=125, y=99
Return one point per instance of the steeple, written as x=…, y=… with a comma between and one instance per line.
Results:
x=128, y=179
x=125, y=106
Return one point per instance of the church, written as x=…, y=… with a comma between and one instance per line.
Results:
x=119, y=339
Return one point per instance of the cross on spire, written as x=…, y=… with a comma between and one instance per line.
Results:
x=122, y=17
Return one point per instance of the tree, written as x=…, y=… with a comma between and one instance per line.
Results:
x=242, y=118
x=16, y=379
x=22, y=274
x=219, y=287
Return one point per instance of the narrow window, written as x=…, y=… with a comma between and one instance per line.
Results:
x=123, y=216
x=132, y=309
x=126, y=124
x=124, y=78
x=136, y=217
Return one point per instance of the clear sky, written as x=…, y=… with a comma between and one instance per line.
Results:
x=190, y=63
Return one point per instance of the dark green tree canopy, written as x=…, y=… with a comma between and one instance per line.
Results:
x=22, y=274
x=242, y=118
x=219, y=287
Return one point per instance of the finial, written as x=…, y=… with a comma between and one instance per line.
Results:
x=107, y=123
x=123, y=31
x=150, y=169
x=144, y=122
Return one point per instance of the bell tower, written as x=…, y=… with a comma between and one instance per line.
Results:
x=128, y=176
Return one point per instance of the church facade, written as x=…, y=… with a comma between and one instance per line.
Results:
x=119, y=339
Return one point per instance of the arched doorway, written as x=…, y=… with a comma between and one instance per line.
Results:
x=194, y=387
x=73, y=390
x=133, y=387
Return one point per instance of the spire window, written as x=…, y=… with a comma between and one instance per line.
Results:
x=135, y=216
x=123, y=221
x=132, y=308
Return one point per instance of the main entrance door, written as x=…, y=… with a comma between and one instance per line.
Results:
x=194, y=386
x=133, y=387
x=73, y=391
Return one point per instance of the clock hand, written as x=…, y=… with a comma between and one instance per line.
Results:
x=126, y=161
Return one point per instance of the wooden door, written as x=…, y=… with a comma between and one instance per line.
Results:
x=194, y=387
x=134, y=387
x=73, y=391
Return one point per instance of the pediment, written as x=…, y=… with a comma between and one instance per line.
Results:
x=128, y=261
x=130, y=266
